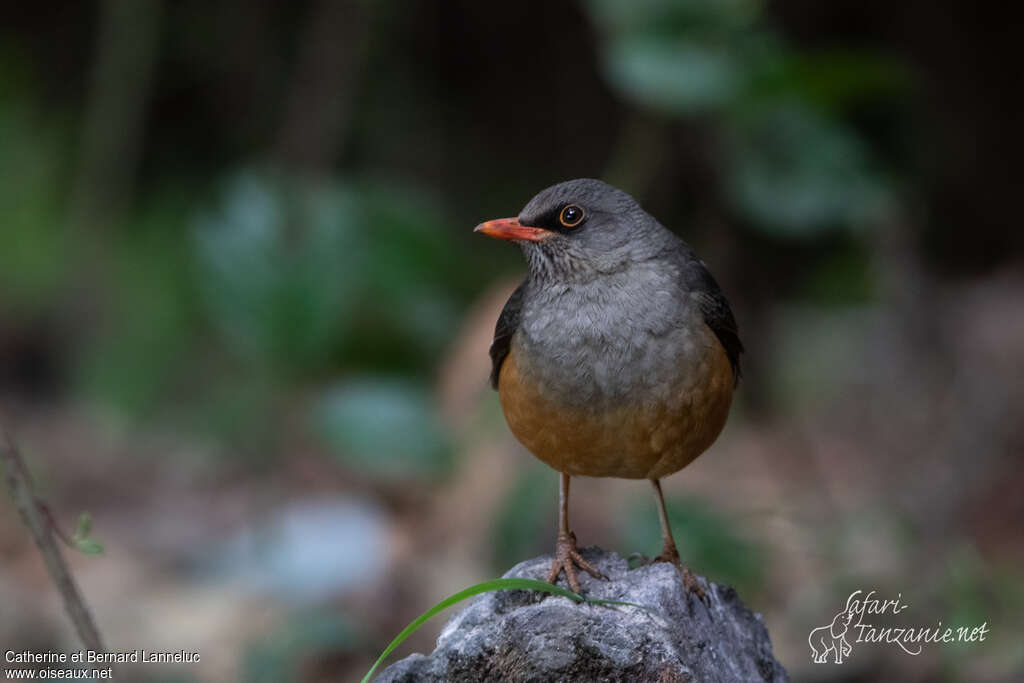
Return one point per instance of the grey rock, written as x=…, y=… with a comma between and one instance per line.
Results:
x=530, y=636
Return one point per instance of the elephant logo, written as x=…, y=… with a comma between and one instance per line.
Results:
x=832, y=638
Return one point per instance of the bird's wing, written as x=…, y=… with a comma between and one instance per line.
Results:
x=508, y=323
x=716, y=311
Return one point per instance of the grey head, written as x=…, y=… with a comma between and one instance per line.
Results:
x=578, y=230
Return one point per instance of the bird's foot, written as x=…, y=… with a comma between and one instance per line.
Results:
x=690, y=582
x=567, y=559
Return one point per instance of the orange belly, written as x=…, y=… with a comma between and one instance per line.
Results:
x=636, y=439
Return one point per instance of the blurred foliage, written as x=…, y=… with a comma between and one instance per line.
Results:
x=522, y=527
x=386, y=428
x=298, y=274
x=279, y=266
x=251, y=281
x=795, y=171
x=793, y=165
x=33, y=260
x=282, y=279
x=151, y=313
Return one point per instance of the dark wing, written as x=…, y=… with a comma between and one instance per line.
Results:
x=508, y=323
x=716, y=311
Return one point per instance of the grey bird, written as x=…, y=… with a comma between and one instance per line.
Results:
x=618, y=354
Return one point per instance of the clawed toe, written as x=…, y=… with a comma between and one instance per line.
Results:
x=690, y=581
x=567, y=559
x=692, y=585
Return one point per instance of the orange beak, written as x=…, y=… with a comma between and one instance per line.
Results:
x=510, y=229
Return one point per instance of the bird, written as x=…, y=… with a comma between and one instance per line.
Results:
x=618, y=354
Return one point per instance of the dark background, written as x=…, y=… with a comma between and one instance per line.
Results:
x=244, y=322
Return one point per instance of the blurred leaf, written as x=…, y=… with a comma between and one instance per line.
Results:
x=708, y=542
x=794, y=167
x=297, y=275
x=830, y=80
x=84, y=526
x=408, y=299
x=675, y=76
x=673, y=16
x=386, y=428
x=89, y=546
x=82, y=539
x=278, y=267
x=411, y=244
x=795, y=172
x=33, y=258
x=134, y=358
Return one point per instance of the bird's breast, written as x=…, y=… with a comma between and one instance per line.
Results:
x=602, y=344
x=634, y=388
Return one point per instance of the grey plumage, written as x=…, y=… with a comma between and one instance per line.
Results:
x=600, y=343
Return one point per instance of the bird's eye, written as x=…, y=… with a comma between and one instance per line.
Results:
x=571, y=216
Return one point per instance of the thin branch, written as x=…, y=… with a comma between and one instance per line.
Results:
x=38, y=522
x=54, y=527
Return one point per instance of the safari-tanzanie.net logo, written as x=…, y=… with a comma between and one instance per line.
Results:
x=865, y=619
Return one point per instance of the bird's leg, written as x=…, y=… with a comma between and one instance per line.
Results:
x=669, y=552
x=566, y=557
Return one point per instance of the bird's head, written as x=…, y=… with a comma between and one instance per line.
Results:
x=580, y=229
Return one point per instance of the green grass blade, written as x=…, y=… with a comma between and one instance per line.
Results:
x=486, y=587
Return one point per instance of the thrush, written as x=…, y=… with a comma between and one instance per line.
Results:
x=618, y=354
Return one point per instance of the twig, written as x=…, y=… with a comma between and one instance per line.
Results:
x=54, y=527
x=39, y=526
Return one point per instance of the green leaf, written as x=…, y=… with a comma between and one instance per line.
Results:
x=89, y=546
x=486, y=587
x=279, y=262
x=795, y=172
x=84, y=526
x=679, y=77
x=674, y=16
x=299, y=275
x=82, y=537
x=384, y=427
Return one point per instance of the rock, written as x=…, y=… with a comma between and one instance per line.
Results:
x=530, y=636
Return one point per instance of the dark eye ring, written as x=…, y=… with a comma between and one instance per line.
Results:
x=571, y=216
